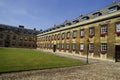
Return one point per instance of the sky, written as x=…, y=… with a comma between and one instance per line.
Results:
x=44, y=14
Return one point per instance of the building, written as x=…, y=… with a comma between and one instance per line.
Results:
x=17, y=37
x=97, y=33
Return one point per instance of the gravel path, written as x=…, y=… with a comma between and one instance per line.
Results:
x=95, y=70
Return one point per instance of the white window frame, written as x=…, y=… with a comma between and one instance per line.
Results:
x=63, y=35
x=96, y=14
x=81, y=46
x=92, y=31
x=75, y=34
x=58, y=36
x=118, y=27
x=58, y=46
x=82, y=32
x=113, y=9
x=62, y=46
x=103, y=46
x=91, y=46
x=67, y=46
x=68, y=34
x=73, y=46
x=104, y=29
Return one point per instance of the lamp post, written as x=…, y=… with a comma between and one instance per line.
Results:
x=87, y=50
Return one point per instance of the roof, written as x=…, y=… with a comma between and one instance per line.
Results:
x=19, y=29
x=81, y=18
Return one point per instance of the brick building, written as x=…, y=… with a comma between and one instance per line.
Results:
x=18, y=37
x=97, y=33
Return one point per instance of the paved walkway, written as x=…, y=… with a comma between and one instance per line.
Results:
x=95, y=70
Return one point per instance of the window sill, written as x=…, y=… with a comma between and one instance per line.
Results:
x=81, y=36
x=91, y=36
x=103, y=51
x=81, y=50
x=103, y=34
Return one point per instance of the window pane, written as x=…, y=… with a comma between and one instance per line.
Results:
x=81, y=46
x=104, y=29
x=67, y=46
x=74, y=34
x=118, y=27
x=103, y=46
x=62, y=46
x=82, y=32
x=63, y=35
x=92, y=31
x=91, y=46
x=68, y=34
x=74, y=46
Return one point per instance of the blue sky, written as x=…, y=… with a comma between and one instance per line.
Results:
x=43, y=14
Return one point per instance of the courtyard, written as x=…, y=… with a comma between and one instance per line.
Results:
x=95, y=70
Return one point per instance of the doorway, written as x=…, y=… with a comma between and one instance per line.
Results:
x=54, y=48
x=117, y=53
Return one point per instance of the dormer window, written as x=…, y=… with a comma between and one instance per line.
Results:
x=85, y=18
x=114, y=8
x=62, y=25
x=68, y=23
x=97, y=14
x=76, y=21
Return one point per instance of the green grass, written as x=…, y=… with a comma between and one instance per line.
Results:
x=13, y=59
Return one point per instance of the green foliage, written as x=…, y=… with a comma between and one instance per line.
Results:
x=13, y=59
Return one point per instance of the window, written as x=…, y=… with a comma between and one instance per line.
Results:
x=82, y=33
x=76, y=21
x=49, y=38
x=58, y=46
x=81, y=47
x=74, y=46
x=74, y=34
x=52, y=37
x=68, y=35
x=58, y=36
x=63, y=35
x=103, y=30
x=8, y=37
x=21, y=38
x=97, y=14
x=114, y=8
x=91, y=32
x=48, y=45
x=25, y=38
x=67, y=46
x=118, y=28
x=68, y=23
x=55, y=37
x=85, y=18
x=13, y=43
x=62, y=46
x=1, y=36
x=103, y=48
x=91, y=47
x=1, y=42
x=51, y=45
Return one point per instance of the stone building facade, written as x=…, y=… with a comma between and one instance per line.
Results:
x=17, y=37
x=97, y=33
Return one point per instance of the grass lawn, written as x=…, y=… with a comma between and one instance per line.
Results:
x=13, y=59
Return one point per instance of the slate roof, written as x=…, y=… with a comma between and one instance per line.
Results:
x=94, y=14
